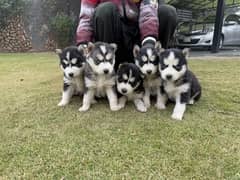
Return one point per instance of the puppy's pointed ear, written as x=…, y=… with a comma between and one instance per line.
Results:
x=120, y=65
x=114, y=46
x=136, y=50
x=161, y=50
x=137, y=62
x=118, y=68
x=58, y=51
x=186, y=52
x=83, y=49
x=90, y=47
x=158, y=46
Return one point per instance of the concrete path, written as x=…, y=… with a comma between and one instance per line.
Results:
x=224, y=52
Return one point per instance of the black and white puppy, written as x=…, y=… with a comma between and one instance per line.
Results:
x=99, y=75
x=147, y=59
x=130, y=86
x=179, y=83
x=72, y=63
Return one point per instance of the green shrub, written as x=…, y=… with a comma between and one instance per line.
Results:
x=62, y=27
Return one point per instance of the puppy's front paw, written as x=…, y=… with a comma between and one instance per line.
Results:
x=160, y=106
x=191, y=102
x=142, y=108
x=122, y=106
x=147, y=105
x=62, y=103
x=178, y=111
x=122, y=101
x=94, y=101
x=177, y=116
x=83, y=109
x=116, y=108
x=146, y=102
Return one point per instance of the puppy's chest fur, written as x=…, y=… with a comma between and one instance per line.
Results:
x=174, y=90
x=77, y=83
x=152, y=83
x=98, y=82
x=135, y=95
x=188, y=83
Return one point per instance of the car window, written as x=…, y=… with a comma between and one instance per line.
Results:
x=189, y=26
x=184, y=27
x=233, y=19
x=238, y=19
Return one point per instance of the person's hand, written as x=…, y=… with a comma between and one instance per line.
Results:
x=83, y=47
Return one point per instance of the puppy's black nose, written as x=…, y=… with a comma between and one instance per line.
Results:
x=149, y=71
x=169, y=77
x=106, y=71
x=124, y=90
x=70, y=74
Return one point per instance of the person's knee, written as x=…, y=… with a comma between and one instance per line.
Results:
x=105, y=10
x=167, y=11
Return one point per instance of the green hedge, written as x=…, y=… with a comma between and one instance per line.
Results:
x=62, y=27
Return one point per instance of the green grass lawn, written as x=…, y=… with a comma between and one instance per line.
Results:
x=39, y=140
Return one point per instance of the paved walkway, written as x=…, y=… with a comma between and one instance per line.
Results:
x=224, y=52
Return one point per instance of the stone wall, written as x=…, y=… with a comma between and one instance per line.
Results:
x=13, y=37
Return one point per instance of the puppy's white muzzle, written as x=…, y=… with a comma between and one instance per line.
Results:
x=72, y=72
x=125, y=88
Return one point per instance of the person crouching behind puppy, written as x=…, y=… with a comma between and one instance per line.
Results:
x=125, y=23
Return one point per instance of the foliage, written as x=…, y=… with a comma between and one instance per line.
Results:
x=62, y=27
x=50, y=8
x=63, y=23
x=11, y=8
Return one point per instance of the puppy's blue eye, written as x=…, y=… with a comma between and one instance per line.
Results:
x=178, y=68
x=97, y=62
x=163, y=66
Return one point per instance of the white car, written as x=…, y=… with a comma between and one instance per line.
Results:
x=200, y=34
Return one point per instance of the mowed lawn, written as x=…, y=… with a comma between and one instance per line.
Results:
x=39, y=140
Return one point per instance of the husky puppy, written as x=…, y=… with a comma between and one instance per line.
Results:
x=72, y=63
x=146, y=58
x=130, y=85
x=99, y=75
x=179, y=83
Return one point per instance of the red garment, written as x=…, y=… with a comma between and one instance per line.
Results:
x=148, y=19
